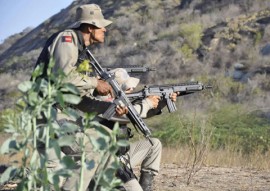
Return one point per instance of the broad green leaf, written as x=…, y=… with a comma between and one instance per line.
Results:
x=68, y=87
x=103, y=132
x=43, y=87
x=90, y=164
x=66, y=140
x=113, y=149
x=60, y=99
x=99, y=144
x=72, y=113
x=38, y=71
x=68, y=162
x=32, y=98
x=54, y=180
x=55, y=145
x=95, y=124
x=68, y=127
x=25, y=86
x=55, y=125
x=72, y=99
x=109, y=175
x=53, y=113
x=9, y=145
x=9, y=173
x=51, y=63
x=90, y=116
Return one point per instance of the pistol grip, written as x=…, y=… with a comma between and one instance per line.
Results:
x=171, y=105
x=110, y=112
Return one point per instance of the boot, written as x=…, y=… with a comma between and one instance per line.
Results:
x=146, y=180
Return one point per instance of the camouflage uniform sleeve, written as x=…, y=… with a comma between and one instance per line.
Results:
x=143, y=107
x=64, y=51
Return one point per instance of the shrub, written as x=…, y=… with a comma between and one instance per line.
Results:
x=27, y=133
x=192, y=33
x=239, y=130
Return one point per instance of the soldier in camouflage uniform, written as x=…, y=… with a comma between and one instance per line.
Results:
x=141, y=152
x=66, y=48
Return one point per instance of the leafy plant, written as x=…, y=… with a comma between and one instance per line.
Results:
x=35, y=125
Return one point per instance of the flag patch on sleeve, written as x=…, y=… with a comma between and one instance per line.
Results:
x=67, y=39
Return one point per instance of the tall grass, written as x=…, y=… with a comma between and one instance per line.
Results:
x=217, y=158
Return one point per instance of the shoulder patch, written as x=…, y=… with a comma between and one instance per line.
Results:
x=67, y=39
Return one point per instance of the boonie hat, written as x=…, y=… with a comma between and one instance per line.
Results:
x=90, y=14
x=125, y=81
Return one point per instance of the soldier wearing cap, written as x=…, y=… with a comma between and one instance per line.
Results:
x=66, y=48
x=140, y=152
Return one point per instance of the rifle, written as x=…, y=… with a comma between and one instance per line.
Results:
x=132, y=69
x=164, y=91
x=120, y=98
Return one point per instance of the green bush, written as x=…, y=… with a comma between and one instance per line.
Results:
x=192, y=33
x=229, y=127
x=240, y=130
x=178, y=130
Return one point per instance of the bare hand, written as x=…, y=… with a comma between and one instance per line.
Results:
x=173, y=96
x=121, y=110
x=154, y=100
x=103, y=88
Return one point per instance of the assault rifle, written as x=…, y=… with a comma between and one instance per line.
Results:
x=164, y=91
x=120, y=98
x=132, y=69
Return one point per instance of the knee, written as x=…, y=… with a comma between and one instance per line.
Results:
x=156, y=143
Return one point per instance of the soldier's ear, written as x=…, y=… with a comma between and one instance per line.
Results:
x=89, y=29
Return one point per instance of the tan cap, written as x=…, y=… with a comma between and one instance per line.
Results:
x=125, y=81
x=90, y=14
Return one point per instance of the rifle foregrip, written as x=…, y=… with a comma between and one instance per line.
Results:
x=171, y=105
x=110, y=112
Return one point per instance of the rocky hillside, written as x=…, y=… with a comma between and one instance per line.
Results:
x=184, y=40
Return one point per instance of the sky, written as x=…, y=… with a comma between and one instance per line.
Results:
x=16, y=15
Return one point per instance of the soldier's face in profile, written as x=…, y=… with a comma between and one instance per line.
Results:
x=98, y=35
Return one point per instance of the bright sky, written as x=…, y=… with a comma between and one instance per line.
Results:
x=16, y=15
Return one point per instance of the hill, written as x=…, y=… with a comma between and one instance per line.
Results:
x=224, y=43
x=185, y=40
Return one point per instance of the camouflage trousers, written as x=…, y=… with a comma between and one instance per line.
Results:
x=145, y=155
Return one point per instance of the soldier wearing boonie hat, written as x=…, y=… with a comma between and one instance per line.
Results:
x=66, y=49
x=90, y=14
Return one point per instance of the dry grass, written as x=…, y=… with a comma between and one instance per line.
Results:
x=182, y=156
x=220, y=158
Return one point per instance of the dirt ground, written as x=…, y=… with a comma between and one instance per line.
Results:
x=174, y=178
